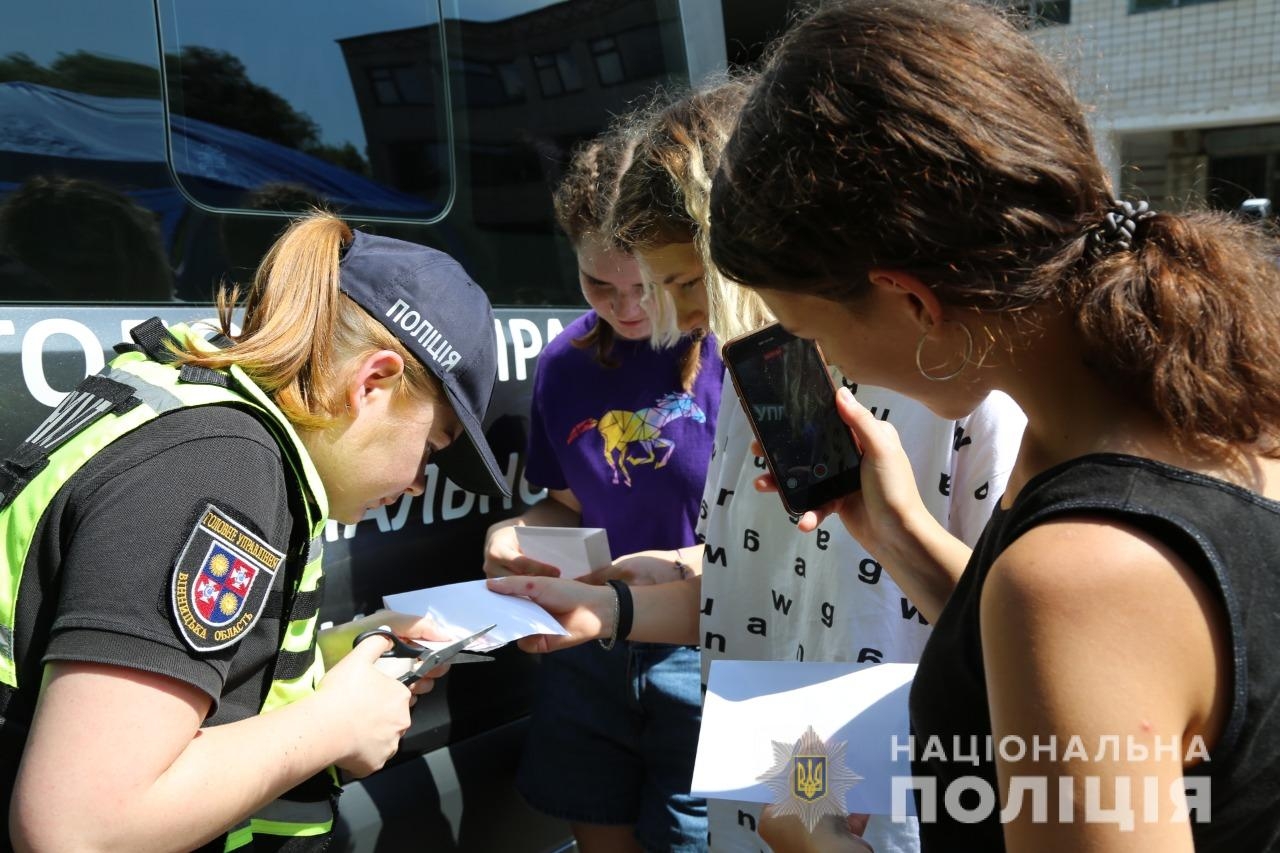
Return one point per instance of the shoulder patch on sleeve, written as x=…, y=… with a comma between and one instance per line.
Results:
x=220, y=581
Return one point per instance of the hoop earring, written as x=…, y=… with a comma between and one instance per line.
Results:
x=968, y=353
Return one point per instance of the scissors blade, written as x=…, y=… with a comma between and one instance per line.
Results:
x=433, y=658
x=470, y=657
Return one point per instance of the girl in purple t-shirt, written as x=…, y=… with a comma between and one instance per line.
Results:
x=620, y=435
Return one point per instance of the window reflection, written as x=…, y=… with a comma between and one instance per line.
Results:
x=272, y=107
x=245, y=113
x=608, y=61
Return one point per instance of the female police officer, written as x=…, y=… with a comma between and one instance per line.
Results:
x=181, y=700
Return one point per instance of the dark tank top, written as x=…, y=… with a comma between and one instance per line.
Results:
x=1230, y=537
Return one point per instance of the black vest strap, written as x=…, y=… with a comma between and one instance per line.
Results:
x=93, y=398
x=118, y=394
x=152, y=336
x=297, y=605
x=293, y=664
x=220, y=340
x=203, y=376
x=305, y=604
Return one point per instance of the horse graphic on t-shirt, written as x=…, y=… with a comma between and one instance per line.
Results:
x=620, y=429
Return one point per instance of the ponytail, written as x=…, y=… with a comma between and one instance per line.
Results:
x=300, y=331
x=1189, y=321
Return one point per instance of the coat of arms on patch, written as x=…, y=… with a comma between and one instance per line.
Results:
x=220, y=581
x=809, y=778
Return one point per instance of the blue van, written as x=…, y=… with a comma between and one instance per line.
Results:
x=152, y=149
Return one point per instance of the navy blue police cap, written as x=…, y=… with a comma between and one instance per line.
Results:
x=427, y=300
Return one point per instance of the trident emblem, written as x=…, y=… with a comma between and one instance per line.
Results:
x=811, y=777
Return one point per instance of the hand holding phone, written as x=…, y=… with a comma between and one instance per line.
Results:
x=789, y=400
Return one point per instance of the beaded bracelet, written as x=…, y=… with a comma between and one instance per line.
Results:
x=623, y=614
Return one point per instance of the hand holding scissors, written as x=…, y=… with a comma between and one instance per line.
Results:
x=429, y=658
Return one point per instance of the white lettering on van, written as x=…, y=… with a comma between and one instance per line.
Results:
x=526, y=342
x=456, y=503
x=510, y=476
x=554, y=328
x=441, y=499
x=33, y=344
x=500, y=343
x=523, y=351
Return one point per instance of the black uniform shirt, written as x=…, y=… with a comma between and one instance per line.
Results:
x=96, y=585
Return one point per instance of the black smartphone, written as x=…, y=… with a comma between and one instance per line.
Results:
x=789, y=399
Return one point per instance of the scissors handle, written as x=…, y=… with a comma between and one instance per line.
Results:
x=399, y=648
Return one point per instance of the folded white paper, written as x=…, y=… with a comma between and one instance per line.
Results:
x=750, y=705
x=575, y=551
x=461, y=609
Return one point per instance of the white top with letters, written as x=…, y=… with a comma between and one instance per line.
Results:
x=773, y=593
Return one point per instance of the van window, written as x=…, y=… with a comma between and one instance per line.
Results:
x=150, y=152
x=272, y=106
x=78, y=145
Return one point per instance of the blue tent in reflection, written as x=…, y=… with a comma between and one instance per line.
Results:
x=122, y=142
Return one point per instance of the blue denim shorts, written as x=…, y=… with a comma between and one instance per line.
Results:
x=613, y=738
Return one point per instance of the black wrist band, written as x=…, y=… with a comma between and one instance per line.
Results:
x=626, y=609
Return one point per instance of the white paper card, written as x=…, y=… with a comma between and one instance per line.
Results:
x=751, y=704
x=464, y=608
x=575, y=551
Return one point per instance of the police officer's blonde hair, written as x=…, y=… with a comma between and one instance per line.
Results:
x=301, y=335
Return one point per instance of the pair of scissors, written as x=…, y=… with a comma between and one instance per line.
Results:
x=430, y=658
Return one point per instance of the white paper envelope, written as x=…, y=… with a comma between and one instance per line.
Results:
x=751, y=704
x=464, y=608
x=575, y=551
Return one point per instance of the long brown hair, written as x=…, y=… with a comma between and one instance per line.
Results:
x=301, y=334
x=931, y=136
x=663, y=199
x=582, y=201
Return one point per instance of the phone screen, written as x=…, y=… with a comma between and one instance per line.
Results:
x=790, y=400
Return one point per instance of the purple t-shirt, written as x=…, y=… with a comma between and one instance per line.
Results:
x=627, y=441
